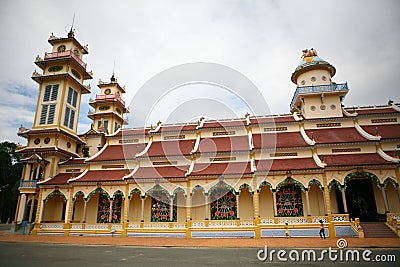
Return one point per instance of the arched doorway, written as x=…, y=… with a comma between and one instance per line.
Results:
x=359, y=188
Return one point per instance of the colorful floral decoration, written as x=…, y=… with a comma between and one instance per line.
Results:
x=288, y=201
x=223, y=202
x=116, y=208
x=160, y=205
x=103, y=211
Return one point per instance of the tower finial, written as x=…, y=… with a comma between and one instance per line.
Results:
x=71, y=31
x=113, y=74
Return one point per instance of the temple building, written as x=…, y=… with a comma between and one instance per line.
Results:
x=242, y=177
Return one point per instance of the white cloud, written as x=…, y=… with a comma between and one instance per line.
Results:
x=261, y=39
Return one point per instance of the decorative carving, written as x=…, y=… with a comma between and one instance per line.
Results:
x=309, y=53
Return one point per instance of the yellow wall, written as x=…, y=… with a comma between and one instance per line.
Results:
x=198, y=207
x=135, y=208
x=392, y=198
x=92, y=208
x=181, y=207
x=53, y=209
x=266, y=203
x=246, y=205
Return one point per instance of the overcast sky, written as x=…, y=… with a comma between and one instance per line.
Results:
x=260, y=39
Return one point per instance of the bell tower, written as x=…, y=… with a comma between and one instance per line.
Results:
x=53, y=136
x=109, y=108
x=316, y=95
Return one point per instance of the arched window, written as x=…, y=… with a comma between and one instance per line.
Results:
x=61, y=48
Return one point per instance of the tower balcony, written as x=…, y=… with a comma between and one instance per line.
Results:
x=65, y=54
x=27, y=184
x=110, y=97
x=341, y=88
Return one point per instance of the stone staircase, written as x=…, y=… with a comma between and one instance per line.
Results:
x=377, y=230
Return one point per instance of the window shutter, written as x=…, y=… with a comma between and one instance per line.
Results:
x=74, y=99
x=47, y=91
x=71, y=119
x=50, y=119
x=43, y=115
x=54, y=93
x=69, y=97
x=66, y=116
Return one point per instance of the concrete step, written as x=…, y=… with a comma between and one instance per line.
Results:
x=377, y=230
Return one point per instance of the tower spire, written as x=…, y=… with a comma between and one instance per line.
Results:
x=71, y=31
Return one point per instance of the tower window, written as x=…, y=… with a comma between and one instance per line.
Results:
x=69, y=118
x=116, y=126
x=47, y=114
x=324, y=78
x=105, y=127
x=50, y=92
x=61, y=48
x=313, y=79
x=72, y=97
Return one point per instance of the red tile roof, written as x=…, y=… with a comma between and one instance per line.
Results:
x=221, y=168
x=178, y=128
x=388, y=131
x=49, y=149
x=102, y=175
x=61, y=178
x=224, y=144
x=272, y=119
x=392, y=153
x=52, y=130
x=170, y=148
x=73, y=161
x=354, y=159
x=286, y=164
x=336, y=135
x=130, y=132
x=161, y=172
x=365, y=111
x=223, y=124
x=278, y=140
x=119, y=152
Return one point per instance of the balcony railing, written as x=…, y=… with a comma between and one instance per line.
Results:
x=110, y=97
x=27, y=184
x=65, y=54
x=342, y=87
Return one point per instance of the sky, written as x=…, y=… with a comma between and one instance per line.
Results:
x=262, y=40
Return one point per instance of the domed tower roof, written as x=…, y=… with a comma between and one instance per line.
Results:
x=311, y=61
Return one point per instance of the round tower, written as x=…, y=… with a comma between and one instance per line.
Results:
x=316, y=95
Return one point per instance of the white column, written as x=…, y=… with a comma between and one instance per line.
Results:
x=384, y=199
x=142, y=216
x=17, y=210
x=111, y=209
x=323, y=196
x=84, y=211
x=31, y=210
x=237, y=205
x=308, y=203
x=171, y=209
x=66, y=211
x=344, y=200
x=274, y=200
x=22, y=207
x=41, y=211
x=190, y=205
x=207, y=206
x=37, y=172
